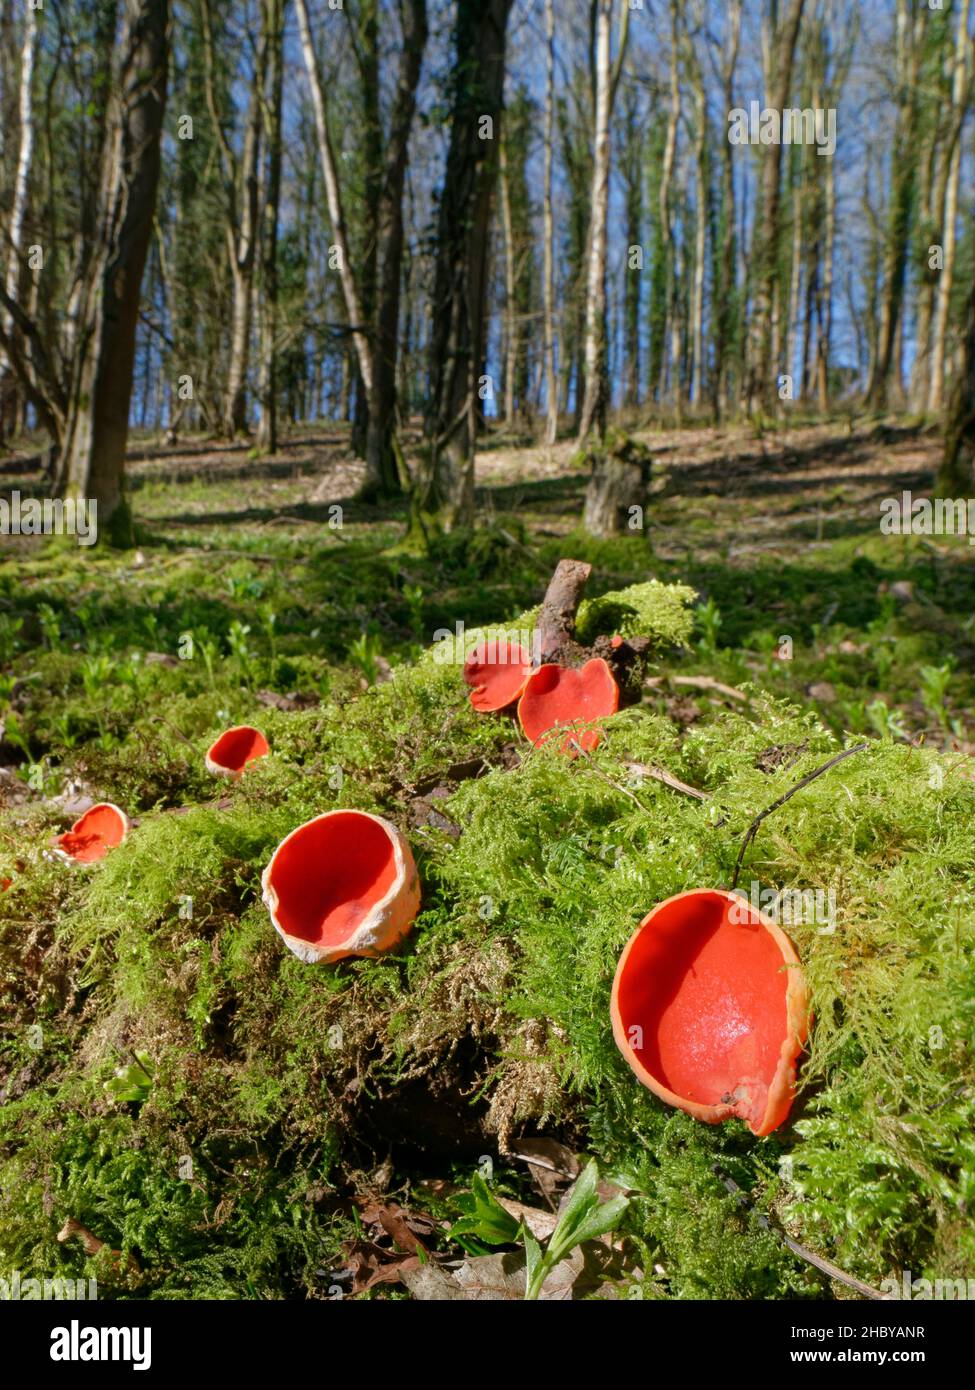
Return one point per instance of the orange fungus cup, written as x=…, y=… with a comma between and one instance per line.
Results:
x=496, y=671
x=711, y=1010
x=100, y=829
x=234, y=749
x=557, y=697
x=343, y=884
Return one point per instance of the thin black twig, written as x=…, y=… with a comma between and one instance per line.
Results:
x=752, y=830
x=810, y=1256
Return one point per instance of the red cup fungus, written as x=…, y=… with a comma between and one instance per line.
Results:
x=234, y=749
x=342, y=884
x=560, y=696
x=100, y=829
x=711, y=1010
x=496, y=671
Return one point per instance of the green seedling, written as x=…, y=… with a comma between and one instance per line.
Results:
x=133, y=1082
x=584, y=1217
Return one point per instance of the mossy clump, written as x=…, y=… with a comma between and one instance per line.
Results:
x=273, y=1086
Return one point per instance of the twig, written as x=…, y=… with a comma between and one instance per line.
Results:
x=752, y=830
x=668, y=779
x=824, y=1265
x=701, y=683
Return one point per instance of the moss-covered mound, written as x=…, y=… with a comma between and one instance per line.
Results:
x=261, y=1092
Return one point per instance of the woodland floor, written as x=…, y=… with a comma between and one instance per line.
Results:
x=810, y=625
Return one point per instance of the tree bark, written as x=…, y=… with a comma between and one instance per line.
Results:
x=91, y=451
x=551, y=388
x=268, y=429
x=597, y=388
x=9, y=393
x=956, y=477
x=782, y=47
x=333, y=194
x=902, y=186
x=961, y=88
x=382, y=472
x=444, y=494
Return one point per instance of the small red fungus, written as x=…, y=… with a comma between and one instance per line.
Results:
x=497, y=671
x=710, y=1009
x=234, y=749
x=343, y=884
x=556, y=696
x=100, y=829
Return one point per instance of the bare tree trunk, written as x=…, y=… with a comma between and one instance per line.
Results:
x=825, y=294
x=782, y=47
x=510, y=313
x=91, y=459
x=333, y=195
x=444, y=496
x=551, y=388
x=666, y=222
x=241, y=182
x=382, y=470
x=956, y=477
x=9, y=392
x=268, y=429
x=726, y=306
x=961, y=88
x=702, y=194
x=902, y=184
x=596, y=395
x=795, y=274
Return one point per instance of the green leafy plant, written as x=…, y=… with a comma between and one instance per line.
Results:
x=364, y=653
x=584, y=1217
x=707, y=617
x=132, y=1082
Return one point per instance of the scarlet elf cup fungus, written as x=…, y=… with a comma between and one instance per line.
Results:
x=234, y=749
x=711, y=1010
x=559, y=696
x=343, y=884
x=100, y=829
x=496, y=671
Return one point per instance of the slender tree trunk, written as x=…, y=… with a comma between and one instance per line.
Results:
x=961, y=87
x=444, y=495
x=91, y=459
x=510, y=310
x=9, y=391
x=760, y=384
x=725, y=309
x=596, y=396
x=902, y=187
x=825, y=297
x=268, y=431
x=333, y=194
x=956, y=477
x=551, y=388
x=382, y=472
x=672, y=323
